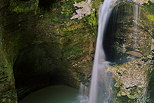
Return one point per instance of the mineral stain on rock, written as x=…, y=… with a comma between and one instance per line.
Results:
x=134, y=53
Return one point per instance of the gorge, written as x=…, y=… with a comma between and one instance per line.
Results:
x=41, y=47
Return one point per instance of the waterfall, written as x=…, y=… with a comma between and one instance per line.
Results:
x=101, y=83
x=83, y=97
x=136, y=21
x=144, y=96
x=101, y=88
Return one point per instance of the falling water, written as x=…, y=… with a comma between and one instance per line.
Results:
x=102, y=81
x=83, y=97
x=101, y=84
x=143, y=98
x=136, y=21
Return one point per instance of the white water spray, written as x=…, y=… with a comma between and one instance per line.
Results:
x=101, y=83
x=83, y=97
x=144, y=95
x=136, y=21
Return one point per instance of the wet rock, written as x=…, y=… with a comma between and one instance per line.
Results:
x=141, y=1
x=129, y=52
x=152, y=44
x=131, y=77
x=48, y=38
x=43, y=46
x=134, y=53
x=85, y=10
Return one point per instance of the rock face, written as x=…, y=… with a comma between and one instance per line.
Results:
x=7, y=84
x=142, y=1
x=85, y=10
x=130, y=52
x=132, y=77
x=40, y=45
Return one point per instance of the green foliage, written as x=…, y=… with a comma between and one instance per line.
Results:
x=22, y=6
x=21, y=9
x=96, y=4
x=92, y=21
x=78, y=0
x=150, y=17
x=149, y=6
x=121, y=99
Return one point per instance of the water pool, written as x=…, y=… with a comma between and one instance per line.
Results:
x=53, y=94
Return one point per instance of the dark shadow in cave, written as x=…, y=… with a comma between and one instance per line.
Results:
x=23, y=0
x=36, y=67
x=46, y=4
x=114, y=37
x=151, y=86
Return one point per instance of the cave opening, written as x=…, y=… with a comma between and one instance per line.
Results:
x=35, y=68
x=115, y=38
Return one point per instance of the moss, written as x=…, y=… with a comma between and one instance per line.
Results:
x=149, y=7
x=72, y=39
x=25, y=6
x=21, y=9
x=121, y=99
x=8, y=93
x=151, y=83
x=96, y=4
x=73, y=27
x=149, y=11
x=78, y=1
x=151, y=17
x=92, y=21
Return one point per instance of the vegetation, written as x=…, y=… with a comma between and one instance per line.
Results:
x=42, y=35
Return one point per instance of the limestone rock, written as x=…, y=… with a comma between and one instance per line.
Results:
x=134, y=53
x=131, y=77
x=141, y=1
x=85, y=10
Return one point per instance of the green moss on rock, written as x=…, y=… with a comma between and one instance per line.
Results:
x=24, y=6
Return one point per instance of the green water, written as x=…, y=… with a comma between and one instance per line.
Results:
x=53, y=94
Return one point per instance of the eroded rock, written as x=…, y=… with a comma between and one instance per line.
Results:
x=85, y=10
x=141, y=1
x=131, y=77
